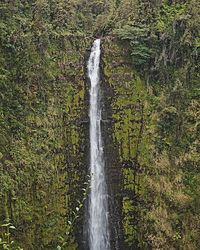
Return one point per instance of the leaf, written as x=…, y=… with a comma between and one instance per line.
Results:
x=6, y=225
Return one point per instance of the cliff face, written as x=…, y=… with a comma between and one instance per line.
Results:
x=149, y=175
x=150, y=99
x=150, y=128
x=44, y=169
x=127, y=103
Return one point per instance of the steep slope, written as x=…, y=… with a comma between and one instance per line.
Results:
x=150, y=88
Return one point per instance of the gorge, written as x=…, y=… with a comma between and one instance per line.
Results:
x=99, y=140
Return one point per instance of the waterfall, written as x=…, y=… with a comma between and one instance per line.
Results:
x=98, y=204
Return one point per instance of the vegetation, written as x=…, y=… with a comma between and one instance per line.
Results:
x=151, y=63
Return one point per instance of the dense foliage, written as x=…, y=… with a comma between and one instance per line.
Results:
x=151, y=55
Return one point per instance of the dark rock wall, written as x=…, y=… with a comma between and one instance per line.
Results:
x=145, y=127
x=125, y=94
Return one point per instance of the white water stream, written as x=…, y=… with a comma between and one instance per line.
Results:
x=98, y=206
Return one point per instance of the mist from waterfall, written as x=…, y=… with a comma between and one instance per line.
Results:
x=99, y=238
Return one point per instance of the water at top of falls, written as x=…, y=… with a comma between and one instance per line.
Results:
x=99, y=238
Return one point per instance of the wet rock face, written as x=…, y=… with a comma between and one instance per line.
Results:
x=121, y=125
x=121, y=130
x=122, y=95
x=113, y=171
x=123, y=101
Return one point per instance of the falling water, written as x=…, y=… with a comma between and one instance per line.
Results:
x=98, y=208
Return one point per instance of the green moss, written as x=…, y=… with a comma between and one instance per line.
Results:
x=129, y=112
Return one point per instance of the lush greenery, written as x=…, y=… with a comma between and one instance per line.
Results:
x=151, y=62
